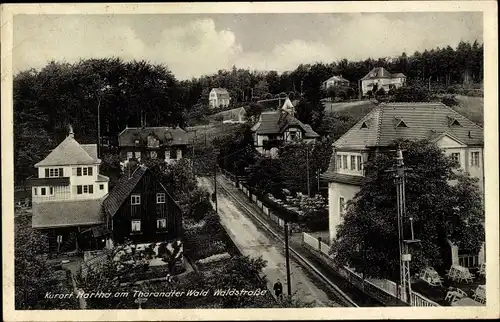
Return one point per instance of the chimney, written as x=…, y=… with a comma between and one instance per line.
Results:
x=470, y=136
x=71, y=134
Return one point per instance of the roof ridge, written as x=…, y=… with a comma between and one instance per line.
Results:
x=363, y=119
x=380, y=116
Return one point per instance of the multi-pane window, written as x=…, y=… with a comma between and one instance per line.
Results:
x=353, y=162
x=84, y=189
x=153, y=154
x=360, y=163
x=85, y=171
x=53, y=172
x=341, y=205
x=339, y=161
x=136, y=225
x=101, y=187
x=130, y=155
x=456, y=157
x=161, y=223
x=160, y=198
x=135, y=199
x=344, y=161
x=474, y=159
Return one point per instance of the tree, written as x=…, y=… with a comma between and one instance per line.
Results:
x=261, y=88
x=33, y=276
x=414, y=93
x=367, y=239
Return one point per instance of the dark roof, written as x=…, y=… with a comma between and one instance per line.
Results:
x=167, y=136
x=429, y=121
x=344, y=178
x=122, y=189
x=101, y=178
x=337, y=78
x=57, y=181
x=221, y=92
x=381, y=72
x=70, y=152
x=276, y=122
x=53, y=214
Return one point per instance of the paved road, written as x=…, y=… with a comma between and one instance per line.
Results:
x=253, y=241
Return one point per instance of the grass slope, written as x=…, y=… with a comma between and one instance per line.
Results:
x=471, y=107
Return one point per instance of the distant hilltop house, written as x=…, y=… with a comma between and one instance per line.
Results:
x=280, y=126
x=219, y=97
x=336, y=81
x=67, y=195
x=166, y=143
x=383, y=79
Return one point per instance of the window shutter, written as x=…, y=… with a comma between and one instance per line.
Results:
x=91, y=188
x=61, y=174
x=46, y=173
x=79, y=190
x=90, y=171
x=79, y=171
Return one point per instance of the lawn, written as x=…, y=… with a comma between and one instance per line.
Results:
x=204, y=134
x=471, y=107
x=353, y=108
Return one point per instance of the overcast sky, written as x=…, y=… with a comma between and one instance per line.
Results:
x=193, y=45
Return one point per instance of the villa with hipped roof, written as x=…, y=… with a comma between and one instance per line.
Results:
x=383, y=79
x=67, y=193
x=166, y=143
x=459, y=137
x=219, y=97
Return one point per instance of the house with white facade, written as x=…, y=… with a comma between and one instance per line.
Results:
x=219, y=97
x=275, y=128
x=67, y=194
x=336, y=81
x=382, y=78
x=459, y=137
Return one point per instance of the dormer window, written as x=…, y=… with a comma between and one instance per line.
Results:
x=453, y=122
x=400, y=123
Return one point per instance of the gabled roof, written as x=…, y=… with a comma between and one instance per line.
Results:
x=53, y=214
x=70, y=152
x=424, y=121
x=221, y=92
x=381, y=72
x=168, y=136
x=277, y=122
x=122, y=189
x=232, y=114
x=336, y=78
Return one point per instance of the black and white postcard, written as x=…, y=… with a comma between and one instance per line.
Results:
x=232, y=161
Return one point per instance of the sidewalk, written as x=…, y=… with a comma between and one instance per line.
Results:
x=295, y=241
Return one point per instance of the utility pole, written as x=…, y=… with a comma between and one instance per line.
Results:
x=216, y=153
x=404, y=244
x=287, y=256
x=307, y=167
x=99, y=126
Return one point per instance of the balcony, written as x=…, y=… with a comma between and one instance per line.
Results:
x=48, y=182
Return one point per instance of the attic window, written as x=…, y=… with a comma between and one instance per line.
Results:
x=455, y=123
x=401, y=123
x=364, y=125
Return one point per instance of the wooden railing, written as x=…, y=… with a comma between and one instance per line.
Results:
x=469, y=261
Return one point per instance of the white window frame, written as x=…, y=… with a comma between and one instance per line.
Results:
x=53, y=172
x=85, y=188
x=36, y=191
x=352, y=162
x=85, y=171
x=161, y=223
x=342, y=206
x=135, y=199
x=135, y=226
x=476, y=163
x=179, y=154
x=153, y=154
x=160, y=197
x=339, y=162
x=137, y=155
x=345, y=162
x=130, y=155
x=359, y=162
x=101, y=186
x=453, y=154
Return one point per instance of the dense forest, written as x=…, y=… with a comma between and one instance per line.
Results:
x=46, y=101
